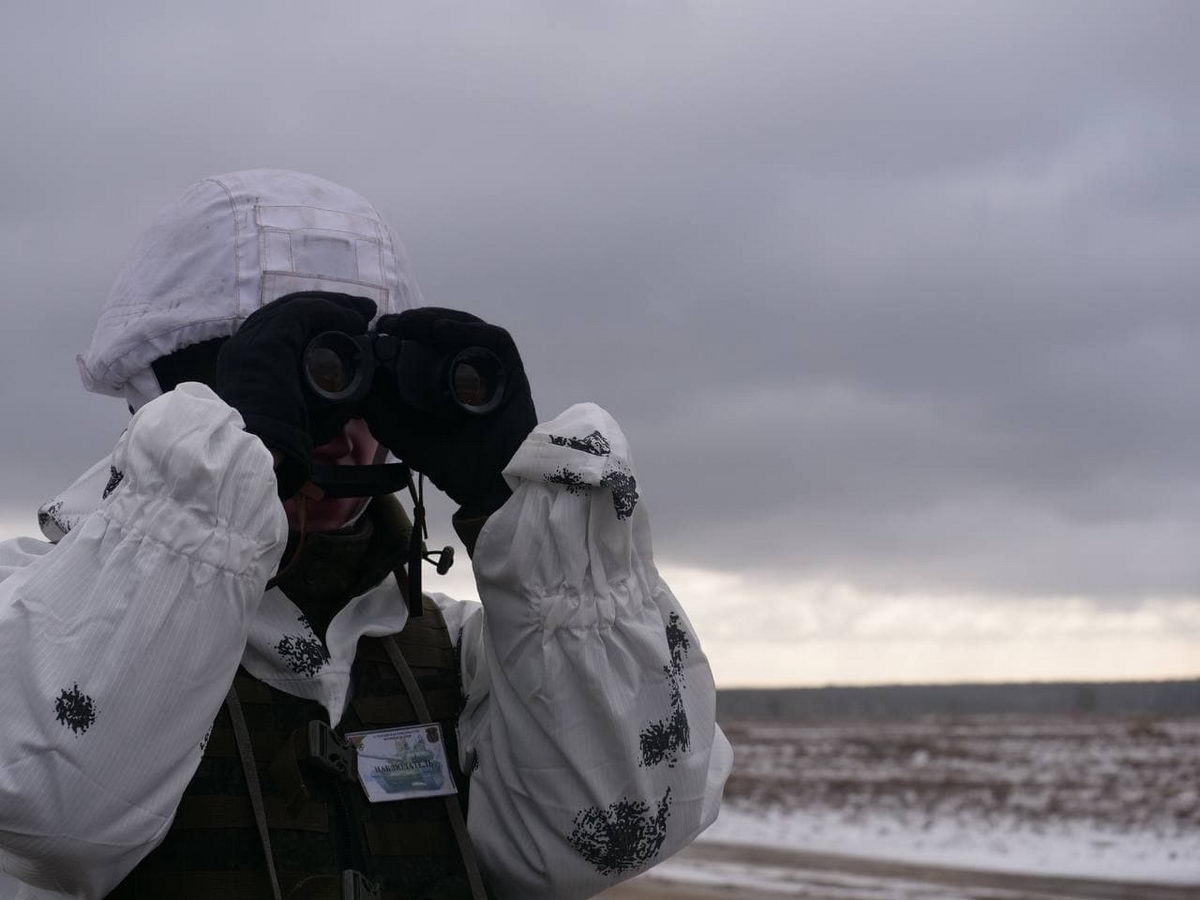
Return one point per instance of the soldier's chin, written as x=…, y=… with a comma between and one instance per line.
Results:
x=323, y=515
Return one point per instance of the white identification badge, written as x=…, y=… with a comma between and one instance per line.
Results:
x=402, y=763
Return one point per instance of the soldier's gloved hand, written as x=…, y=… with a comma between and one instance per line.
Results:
x=259, y=373
x=462, y=454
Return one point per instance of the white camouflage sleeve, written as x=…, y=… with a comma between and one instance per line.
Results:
x=590, y=705
x=118, y=644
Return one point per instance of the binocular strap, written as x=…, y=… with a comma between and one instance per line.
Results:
x=241, y=736
x=453, y=810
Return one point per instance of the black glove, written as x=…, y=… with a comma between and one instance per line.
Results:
x=462, y=454
x=259, y=373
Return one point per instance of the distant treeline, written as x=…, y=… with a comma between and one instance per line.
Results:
x=1146, y=698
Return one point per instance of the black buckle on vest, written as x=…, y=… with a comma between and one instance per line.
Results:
x=357, y=886
x=330, y=751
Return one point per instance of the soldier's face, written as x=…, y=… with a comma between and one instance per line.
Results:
x=352, y=446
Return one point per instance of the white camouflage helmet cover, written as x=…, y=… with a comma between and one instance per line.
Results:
x=229, y=245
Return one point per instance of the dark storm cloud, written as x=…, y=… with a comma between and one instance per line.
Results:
x=902, y=295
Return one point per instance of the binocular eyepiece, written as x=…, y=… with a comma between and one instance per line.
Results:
x=340, y=368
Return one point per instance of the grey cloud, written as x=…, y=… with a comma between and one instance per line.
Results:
x=903, y=295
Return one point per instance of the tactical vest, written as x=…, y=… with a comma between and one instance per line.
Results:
x=320, y=823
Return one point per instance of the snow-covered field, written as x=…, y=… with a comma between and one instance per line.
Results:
x=1083, y=797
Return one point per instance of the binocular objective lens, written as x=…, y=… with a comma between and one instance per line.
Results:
x=477, y=380
x=327, y=370
x=470, y=388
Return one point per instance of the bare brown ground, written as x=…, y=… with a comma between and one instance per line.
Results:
x=970, y=883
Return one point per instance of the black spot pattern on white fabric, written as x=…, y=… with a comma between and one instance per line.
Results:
x=664, y=740
x=624, y=491
x=595, y=443
x=114, y=478
x=75, y=709
x=572, y=481
x=678, y=643
x=51, y=514
x=625, y=836
x=305, y=654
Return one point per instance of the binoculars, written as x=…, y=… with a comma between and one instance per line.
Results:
x=341, y=368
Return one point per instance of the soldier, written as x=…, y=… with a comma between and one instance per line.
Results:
x=210, y=693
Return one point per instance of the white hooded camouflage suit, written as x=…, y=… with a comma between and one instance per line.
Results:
x=591, y=704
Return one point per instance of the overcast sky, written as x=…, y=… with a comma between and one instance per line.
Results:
x=897, y=302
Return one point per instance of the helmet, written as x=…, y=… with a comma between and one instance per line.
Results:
x=226, y=247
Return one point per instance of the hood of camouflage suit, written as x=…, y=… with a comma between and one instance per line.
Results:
x=226, y=247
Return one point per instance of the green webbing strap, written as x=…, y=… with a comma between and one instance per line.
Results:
x=285, y=771
x=410, y=839
x=195, y=885
x=221, y=742
x=241, y=886
x=452, y=808
x=230, y=811
x=381, y=711
x=241, y=735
